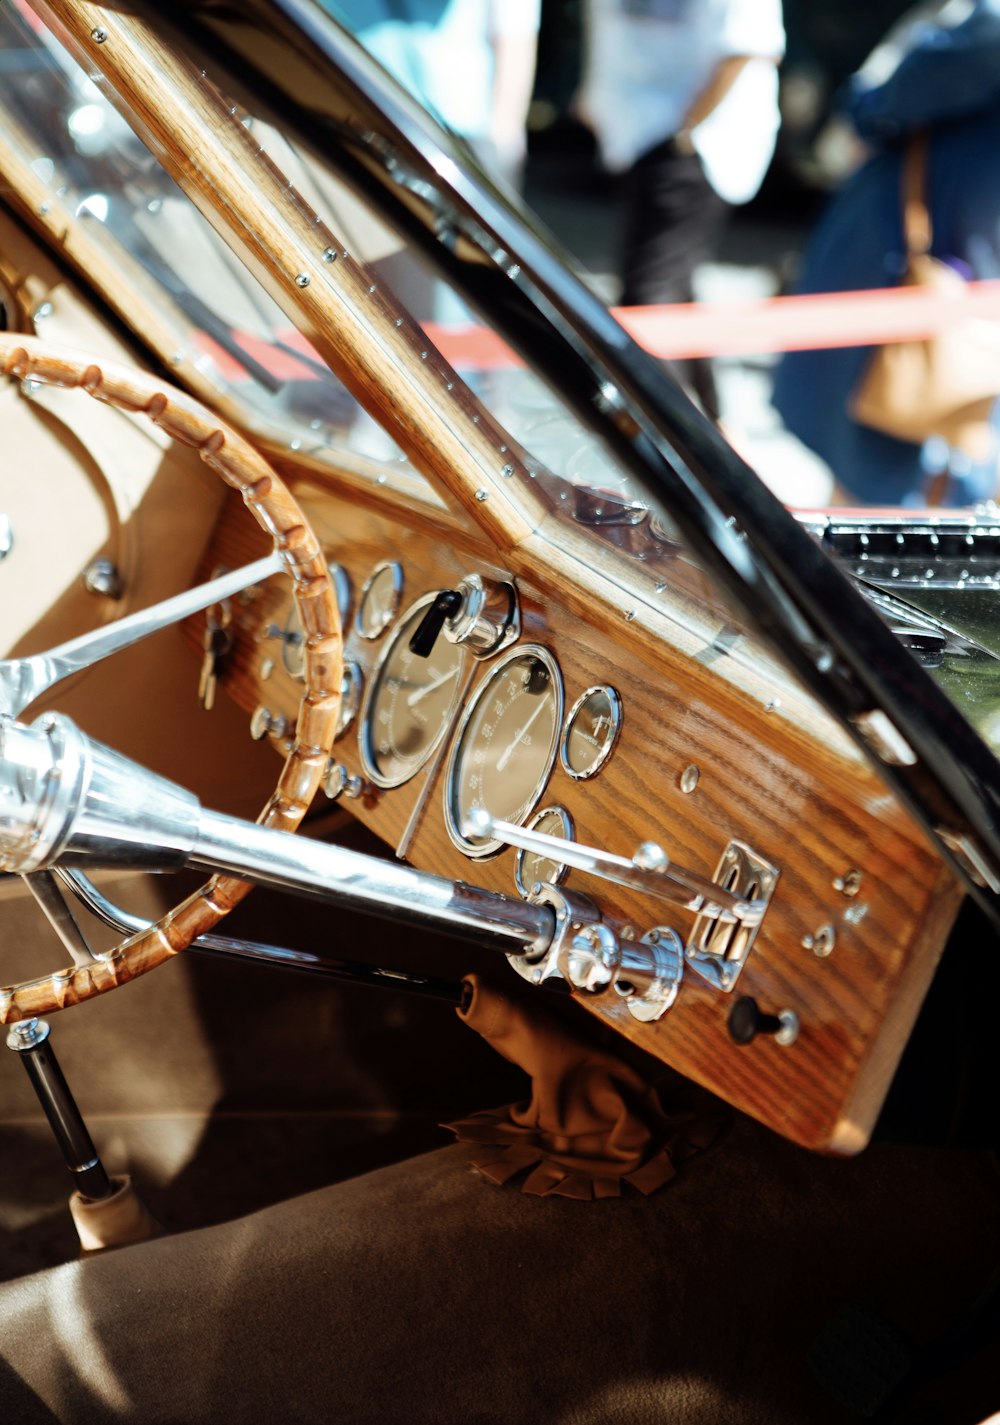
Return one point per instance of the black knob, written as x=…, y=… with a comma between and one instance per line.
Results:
x=746, y=1021
x=447, y=603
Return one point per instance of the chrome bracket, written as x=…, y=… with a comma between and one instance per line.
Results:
x=583, y=950
x=718, y=949
x=587, y=954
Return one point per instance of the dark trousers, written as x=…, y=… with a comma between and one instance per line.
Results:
x=673, y=218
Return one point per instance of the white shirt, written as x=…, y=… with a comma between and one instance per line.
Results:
x=646, y=62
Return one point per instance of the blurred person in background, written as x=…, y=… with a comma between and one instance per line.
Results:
x=471, y=63
x=941, y=76
x=682, y=96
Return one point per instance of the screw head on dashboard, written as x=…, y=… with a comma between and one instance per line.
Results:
x=689, y=778
x=849, y=884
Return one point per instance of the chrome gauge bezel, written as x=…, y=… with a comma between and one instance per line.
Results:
x=568, y=832
x=479, y=851
x=293, y=639
x=292, y=634
x=390, y=610
x=351, y=689
x=342, y=588
x=368, y=761
x=615, y=704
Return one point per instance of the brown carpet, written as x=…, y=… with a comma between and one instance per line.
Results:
x=419, y=1294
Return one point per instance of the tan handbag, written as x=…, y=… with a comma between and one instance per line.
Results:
x=946, y=384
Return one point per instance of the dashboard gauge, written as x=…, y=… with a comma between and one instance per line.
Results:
x=592, y=729
x=342, y=588
x=506, y=744
x=350, y=696
x=293, y=638
x=531, y=866
x=379, y=599
x=410, y=702
x=293, y=644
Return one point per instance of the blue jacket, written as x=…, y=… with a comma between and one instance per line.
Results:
x=949, y=83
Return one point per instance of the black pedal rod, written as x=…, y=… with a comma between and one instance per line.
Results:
x=29, y=1039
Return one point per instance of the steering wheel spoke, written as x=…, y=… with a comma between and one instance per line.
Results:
x=22, y=680
x=57, y=911
x=295, y=550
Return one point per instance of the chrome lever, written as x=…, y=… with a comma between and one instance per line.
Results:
x=649, y=870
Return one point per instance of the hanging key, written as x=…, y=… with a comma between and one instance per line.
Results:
x=217, y=643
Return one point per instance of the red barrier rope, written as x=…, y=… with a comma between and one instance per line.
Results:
x=765, y=325
x=745, y=328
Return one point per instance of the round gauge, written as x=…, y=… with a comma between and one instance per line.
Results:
x=293, y=644
x=293, y=638
x=592, y=729
x=409, y=703
x=531, y=865
x=350, y=696
x=379, y=599
x=342, y=588
x=506, y=744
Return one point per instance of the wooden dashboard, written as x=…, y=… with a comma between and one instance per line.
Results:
x=717, y=744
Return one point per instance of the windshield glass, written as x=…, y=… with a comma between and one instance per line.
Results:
x=61, y=140
x=95, y=177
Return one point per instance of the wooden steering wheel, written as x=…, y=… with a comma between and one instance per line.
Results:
x=271, y=504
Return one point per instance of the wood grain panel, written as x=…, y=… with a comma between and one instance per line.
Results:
x=780, y=778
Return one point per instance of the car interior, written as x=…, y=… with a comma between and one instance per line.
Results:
x=584, y=1017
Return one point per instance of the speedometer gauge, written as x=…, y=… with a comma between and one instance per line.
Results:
x=506, y=744
x=410, y=702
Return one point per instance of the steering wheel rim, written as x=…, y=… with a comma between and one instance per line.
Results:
x=270, y=502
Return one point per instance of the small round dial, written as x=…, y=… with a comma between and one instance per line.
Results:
x=293, y=644
x=410, y=702
x=293, y=638
x=351, y=686
x=379, y=599
x=506, y=744
x=592, y=729
x=531, y=865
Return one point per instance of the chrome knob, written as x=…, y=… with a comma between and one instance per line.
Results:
x=102, y=577
x=486, y=618
x=264, y=721
x=338, y=782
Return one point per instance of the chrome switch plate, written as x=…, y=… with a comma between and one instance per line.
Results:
x=718, y=949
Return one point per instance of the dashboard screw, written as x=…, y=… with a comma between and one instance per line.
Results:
x=689, y=778
x=848, y=885
x=101, y=577
x=822, y=942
